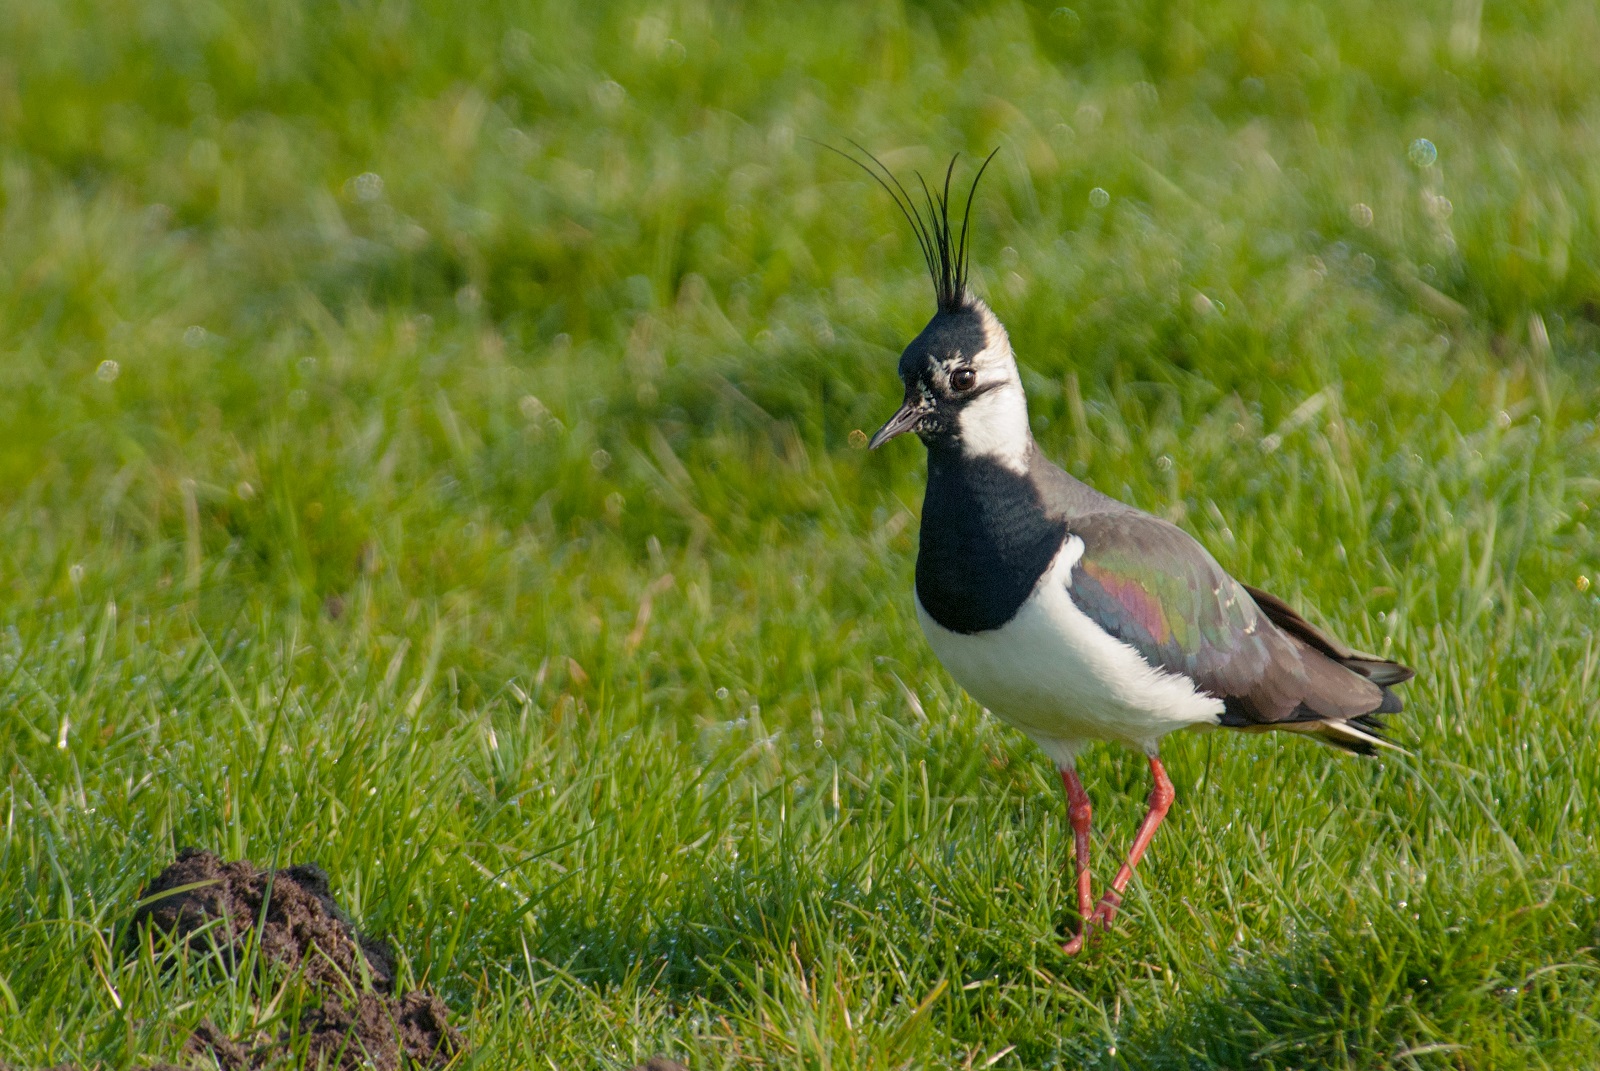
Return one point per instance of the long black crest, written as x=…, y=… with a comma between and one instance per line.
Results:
x=943, y=249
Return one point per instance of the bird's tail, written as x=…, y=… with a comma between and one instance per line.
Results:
x=1362, y=733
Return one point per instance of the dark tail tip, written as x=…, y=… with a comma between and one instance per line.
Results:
x=1379, y=670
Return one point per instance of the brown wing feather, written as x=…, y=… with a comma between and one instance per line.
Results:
x=1380, y=671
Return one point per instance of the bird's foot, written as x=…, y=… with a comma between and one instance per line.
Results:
x=1089, y=931
x=1106, y=909
x=1097, y=923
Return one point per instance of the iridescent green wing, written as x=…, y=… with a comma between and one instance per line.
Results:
x=1152, y=586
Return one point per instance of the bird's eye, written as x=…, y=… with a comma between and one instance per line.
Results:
x=963, y=379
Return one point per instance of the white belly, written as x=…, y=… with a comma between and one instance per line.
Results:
x=1056, y=675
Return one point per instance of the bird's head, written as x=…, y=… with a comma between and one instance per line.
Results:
x=962, y=389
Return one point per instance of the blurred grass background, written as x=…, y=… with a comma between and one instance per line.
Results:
x=426, y=454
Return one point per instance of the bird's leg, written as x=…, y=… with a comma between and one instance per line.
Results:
x=1160, y=800
x=1081, y=813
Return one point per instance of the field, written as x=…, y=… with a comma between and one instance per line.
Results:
x=428, y=453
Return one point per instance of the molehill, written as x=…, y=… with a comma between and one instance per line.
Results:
x=360, y=1022
x=356, y=1020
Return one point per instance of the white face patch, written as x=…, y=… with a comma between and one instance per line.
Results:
x=995, y=423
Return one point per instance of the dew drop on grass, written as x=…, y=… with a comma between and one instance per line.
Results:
x=365, y=187
x=609, y=95
x=1099, y=198
x=1065, y=21
x=108, y=371
x=1423, y=152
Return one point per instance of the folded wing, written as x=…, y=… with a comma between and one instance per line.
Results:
x=1151, y=585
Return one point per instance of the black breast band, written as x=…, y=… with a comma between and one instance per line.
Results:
x=986, y=539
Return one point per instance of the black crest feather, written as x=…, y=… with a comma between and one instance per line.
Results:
x=944, y=250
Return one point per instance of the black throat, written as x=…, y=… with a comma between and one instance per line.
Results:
x=986, y=539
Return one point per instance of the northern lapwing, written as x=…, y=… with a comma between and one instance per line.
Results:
x=1069, y=614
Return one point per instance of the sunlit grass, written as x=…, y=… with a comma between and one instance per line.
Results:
x=427, y=455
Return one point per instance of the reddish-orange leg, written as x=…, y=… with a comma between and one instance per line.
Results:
x=1081, y=813
x=1161, y=797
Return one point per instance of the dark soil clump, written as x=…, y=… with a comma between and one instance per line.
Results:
x=208, y=1045
x=379, y=1032
x=359, y=1023
x=303, y=927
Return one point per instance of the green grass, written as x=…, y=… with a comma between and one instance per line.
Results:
x=426, y=453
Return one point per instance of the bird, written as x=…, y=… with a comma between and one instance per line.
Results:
x=1071, y=615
